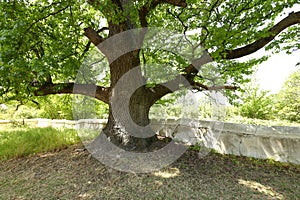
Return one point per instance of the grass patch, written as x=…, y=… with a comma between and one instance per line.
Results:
x=27, y=141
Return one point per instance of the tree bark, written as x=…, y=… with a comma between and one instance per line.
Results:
x=130, y=130
x=129, y=99
x=100, y=93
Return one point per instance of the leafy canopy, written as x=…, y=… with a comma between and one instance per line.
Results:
x=42, y=41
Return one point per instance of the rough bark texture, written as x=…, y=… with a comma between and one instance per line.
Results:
x=128, y=122
x=121, y=133
x=129, y=100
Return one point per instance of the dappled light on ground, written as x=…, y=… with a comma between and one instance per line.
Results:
x=168, y=173
x=267, y=190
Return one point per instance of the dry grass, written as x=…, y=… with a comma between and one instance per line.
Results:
x=73, y=174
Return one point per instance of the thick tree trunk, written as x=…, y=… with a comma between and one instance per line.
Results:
x=129, y=100
x=129, y=103
x=130, y=129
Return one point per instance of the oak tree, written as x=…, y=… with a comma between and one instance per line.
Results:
x=43, y=44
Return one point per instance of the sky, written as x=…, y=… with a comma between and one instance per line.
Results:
x=272, y=73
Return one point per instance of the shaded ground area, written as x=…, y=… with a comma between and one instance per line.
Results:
x=74, y=174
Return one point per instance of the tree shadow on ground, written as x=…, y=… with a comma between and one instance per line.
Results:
x=73, y=174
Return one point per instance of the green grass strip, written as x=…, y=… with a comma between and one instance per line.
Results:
x=24, y=142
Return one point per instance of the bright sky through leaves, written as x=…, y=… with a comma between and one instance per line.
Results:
x=272, y=73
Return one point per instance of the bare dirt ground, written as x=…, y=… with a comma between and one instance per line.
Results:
x=73, y=174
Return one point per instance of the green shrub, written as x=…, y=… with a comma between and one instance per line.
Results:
x=256, y=103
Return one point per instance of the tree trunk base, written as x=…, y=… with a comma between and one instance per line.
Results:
x=121, y=138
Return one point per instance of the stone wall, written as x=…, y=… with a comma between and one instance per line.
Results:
x=280, y=143
x=276, y=142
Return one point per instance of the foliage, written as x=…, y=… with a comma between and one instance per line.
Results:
x=55, y=107
x=23, y=142
x=43, y=41
x=256, y=103
x=31, y=34
x=288, y=98
x=14, y=110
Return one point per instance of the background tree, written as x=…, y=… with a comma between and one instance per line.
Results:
x=256, y=103
x=43, y=45
x=288, y=98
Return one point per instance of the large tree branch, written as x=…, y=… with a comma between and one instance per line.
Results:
x=176, y=84
x=202, y=87
x=93, y=36
x=191, y=71
x=186, y=79
x=291, y=19
x=196, y=64
x=98, y=92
